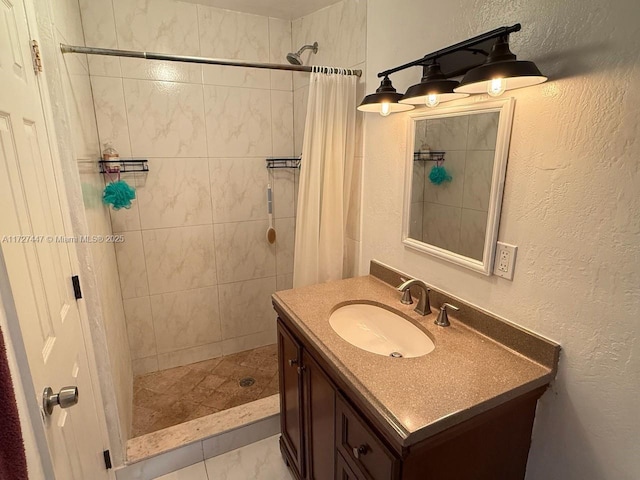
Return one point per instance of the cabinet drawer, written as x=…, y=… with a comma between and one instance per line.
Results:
x=360, y=446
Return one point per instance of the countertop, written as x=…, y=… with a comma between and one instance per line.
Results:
x=467, y=373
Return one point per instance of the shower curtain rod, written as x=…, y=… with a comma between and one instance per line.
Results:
x=211, y=61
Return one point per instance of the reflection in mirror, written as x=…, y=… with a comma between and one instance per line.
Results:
x=451, y=183
x=455, y=171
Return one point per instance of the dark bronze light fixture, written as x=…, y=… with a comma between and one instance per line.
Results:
x=433, y=89
x=384, y=101
x=501, y=72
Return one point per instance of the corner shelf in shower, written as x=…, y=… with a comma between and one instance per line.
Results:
x=429, y=155
x=283, y=162
x=124, y=165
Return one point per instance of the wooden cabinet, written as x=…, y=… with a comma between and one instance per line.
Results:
x=328, y=433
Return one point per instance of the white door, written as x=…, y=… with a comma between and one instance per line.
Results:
x=39, y=268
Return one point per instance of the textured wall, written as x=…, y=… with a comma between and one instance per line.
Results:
x=196, y=271
x=570, y=203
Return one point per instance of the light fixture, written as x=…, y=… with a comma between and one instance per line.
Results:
x=433, y=89
x=384, y=101
x=500, y=72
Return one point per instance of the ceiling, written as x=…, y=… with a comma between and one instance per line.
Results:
x=288, y=9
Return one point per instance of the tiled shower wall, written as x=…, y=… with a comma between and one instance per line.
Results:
x=195, y=268
x=341, y=33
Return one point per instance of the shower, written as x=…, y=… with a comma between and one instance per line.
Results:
x=294, y=58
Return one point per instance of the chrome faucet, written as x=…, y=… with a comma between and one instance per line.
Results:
x=423, y=307
x=443, y=318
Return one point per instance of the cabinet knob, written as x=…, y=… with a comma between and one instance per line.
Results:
x=293, y=362
x=361, y=450
x=301, y=369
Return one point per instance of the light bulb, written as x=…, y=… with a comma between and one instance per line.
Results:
x=385, y=109
x=496, y=87
x=433, y=100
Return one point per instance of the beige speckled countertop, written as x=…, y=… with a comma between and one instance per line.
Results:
x=467, y=373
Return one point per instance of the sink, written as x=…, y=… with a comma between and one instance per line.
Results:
x=380, y=331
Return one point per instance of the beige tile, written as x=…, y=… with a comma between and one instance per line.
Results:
x=477, y=179
x=238, y=189
x=449, y=133
x=176, y=193
x=179, y=258
x=142, y=366
x=441, y=226
x=166, y=119
x=282, y=122
x=99, y=29
x=245, y=307
x=185, y=319
x=483, y=131
x=238, y=121
x=111, y=113
x=300, y=101
x=284, y=282
x=189, y=355
x=234, y=35
x=243, y=252
x=162, y=26
x=131, y=266
x=447, y=193
x=472, y=233
x=285, y=239
x=283, y=184
x=142, y=340
x=241, y=344
x=279, y=46
x=416, y=215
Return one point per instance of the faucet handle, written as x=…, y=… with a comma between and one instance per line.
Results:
x=443, y=318
x=406, y=293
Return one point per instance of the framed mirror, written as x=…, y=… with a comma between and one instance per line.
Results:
x=455, y=171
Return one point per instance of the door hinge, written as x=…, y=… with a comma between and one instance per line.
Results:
x=37, y=59
x=107, y=459
x=75, y=280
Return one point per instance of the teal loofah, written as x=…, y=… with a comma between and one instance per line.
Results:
x=118, y=194
x=438, y=175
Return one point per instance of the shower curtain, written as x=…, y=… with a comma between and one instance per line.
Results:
x=325, y=173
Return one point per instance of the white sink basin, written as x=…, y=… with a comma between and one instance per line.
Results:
x=380, y=331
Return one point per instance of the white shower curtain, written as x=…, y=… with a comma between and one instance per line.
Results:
x=323, y=197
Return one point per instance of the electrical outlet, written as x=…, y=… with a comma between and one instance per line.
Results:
x=505, y=260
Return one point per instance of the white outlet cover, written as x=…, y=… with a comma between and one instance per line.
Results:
x=505, y=260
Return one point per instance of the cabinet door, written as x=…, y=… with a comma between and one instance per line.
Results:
x=320, y=407
x=343, y=472
x=290, y=369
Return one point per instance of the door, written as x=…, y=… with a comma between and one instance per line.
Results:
x=290, y=368
x=319, y=399
x=37, y=258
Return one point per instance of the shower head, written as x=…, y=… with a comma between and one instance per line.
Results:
x=294, y=58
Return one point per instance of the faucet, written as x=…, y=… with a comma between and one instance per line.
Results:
x=423, y=307
x=443, y=318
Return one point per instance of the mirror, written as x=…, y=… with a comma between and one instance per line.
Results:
x=454, y=180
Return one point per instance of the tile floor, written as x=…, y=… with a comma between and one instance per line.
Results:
x=169, y=397
x=258, y=461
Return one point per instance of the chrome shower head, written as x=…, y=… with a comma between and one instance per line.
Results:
x=294, y=58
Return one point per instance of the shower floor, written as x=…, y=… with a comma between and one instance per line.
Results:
x=169, y=397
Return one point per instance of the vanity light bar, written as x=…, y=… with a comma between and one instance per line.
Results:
x=500, y=72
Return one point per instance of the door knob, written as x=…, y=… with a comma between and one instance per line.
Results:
x=66, y=397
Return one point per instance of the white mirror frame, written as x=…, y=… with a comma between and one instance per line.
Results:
x=505, y=108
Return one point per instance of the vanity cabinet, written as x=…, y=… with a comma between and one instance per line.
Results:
x=329, y=431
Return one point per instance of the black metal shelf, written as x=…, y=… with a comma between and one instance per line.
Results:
x=283, y=162
x=429, y=156
x=124, y=165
